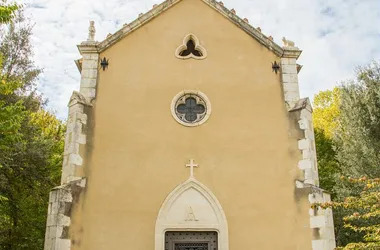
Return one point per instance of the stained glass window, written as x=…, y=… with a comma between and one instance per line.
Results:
x=191, y=109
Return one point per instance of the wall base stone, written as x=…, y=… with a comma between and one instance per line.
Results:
x=61, y=201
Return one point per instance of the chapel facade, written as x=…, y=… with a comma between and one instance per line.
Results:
x=188, y=133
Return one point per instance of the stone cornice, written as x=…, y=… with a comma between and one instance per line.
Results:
x=88, y=47
x=291, y=52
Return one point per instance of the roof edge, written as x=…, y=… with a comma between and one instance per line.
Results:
x=241, y=23
x=137, y=23
x=245, y=26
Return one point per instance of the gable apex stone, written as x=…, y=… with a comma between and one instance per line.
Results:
x=288, y=52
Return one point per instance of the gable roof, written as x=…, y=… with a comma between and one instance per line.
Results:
x=219, y=7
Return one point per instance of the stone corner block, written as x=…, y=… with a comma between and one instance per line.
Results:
x=318, y=221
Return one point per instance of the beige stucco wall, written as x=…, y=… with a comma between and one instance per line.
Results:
x=136, y=153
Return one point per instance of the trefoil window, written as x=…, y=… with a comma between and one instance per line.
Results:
x=191, y=48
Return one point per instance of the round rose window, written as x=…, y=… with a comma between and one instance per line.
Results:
x=191, y=108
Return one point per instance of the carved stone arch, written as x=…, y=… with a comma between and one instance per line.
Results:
x=191, y=206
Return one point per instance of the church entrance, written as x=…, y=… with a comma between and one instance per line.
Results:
x=191, y=241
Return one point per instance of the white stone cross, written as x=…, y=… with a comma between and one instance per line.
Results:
x=192, y=165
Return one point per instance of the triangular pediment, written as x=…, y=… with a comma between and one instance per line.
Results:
x=217, y=6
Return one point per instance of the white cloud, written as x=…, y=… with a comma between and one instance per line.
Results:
x=336, y=36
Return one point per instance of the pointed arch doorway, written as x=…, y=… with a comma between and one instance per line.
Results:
x=191, y=218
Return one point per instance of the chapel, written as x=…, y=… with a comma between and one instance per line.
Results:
x=188, y=132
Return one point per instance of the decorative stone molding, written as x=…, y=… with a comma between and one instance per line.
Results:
x=61, y=200
x=198, y=47
x=157, y=10
x=180, y=98
x=191, y=206
x=74, y=137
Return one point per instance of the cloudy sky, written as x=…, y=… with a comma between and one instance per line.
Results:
x=335, y=35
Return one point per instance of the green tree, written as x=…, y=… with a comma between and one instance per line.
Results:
x=325, y=119
x=357, y=141
x=328, y=167
x=29, y=171
x=358, y=134
x=7, y=11
x=346, y=123
x=326, y=111
x=31, y=144
x=17, y=53
x=362, y=213
x=10, y=115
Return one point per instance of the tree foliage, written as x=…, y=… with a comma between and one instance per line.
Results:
x=328, y=167
x=325, y=120
x=31, y=144
x=16, y=49
x=358, y=134
x=347, y=122
x=357, y=142
x=326, y=111
x=11, y=115
x=7, y=11
x=362, y=213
